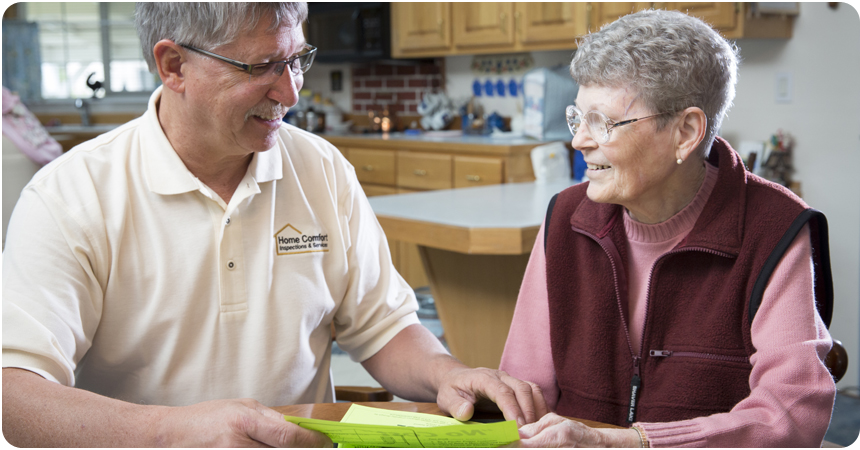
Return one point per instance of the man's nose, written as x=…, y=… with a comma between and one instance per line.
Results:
x=285, y=90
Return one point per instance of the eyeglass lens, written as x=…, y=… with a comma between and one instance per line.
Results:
x=269, y=72
x=596, y=124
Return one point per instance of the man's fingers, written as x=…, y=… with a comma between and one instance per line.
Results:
x=458, y=404
x=277, y=432
x=541, y=408
x=506, y=399
x=529, y=397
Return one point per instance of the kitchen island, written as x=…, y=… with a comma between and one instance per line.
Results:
x=475, y=244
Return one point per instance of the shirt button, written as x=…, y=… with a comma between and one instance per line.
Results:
x=227, y=222
x=231, y=265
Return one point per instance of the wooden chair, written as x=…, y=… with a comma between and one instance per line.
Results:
x=362, y=394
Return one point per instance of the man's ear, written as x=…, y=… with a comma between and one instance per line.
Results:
x=692, y=128
x=169, y=59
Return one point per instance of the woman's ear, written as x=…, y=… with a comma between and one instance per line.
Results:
x=169, y=59
x=692, y=128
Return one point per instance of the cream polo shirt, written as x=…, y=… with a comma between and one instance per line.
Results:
x=125, y=275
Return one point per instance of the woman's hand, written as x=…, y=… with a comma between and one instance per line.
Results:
x=556, y=431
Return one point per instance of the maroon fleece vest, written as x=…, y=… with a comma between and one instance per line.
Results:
x=696, y=340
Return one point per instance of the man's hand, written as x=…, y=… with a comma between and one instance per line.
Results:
x=233, y=423
x=463, y=389
x=556, y=431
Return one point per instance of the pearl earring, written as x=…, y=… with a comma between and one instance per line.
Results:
x=680, y=161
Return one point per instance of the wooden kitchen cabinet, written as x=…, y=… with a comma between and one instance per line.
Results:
x=602, y=13
x=472, y=171
x=374, y=167
x=465, y=28
x=420, y=28
x=387, y=166
x=732, y=19
x=557, y=24
x=486, y=27
x=423, y=171
x=480, y=24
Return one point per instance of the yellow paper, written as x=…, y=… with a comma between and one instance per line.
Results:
x=377, y=416
x=410, y=430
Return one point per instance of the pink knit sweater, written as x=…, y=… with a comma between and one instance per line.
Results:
x=792, y=392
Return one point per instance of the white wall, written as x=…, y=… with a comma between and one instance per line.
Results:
x=318, y=80
x=459, y=77
x=823, y=58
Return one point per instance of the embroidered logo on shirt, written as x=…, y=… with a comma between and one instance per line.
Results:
x=290, y=241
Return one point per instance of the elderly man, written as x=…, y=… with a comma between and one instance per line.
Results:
x=200, y=254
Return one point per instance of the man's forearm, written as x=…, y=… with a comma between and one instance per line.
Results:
x=41, y=413
x=412, y=364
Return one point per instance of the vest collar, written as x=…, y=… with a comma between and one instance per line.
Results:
x=719, y=226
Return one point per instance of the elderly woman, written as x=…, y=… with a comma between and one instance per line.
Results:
x=674, y=294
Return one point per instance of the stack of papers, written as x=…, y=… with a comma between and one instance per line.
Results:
x=363, y=426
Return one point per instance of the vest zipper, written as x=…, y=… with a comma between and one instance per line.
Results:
x=714, y=356
x=636, y=381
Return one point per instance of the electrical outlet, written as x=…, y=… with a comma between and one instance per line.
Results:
x=783, y=87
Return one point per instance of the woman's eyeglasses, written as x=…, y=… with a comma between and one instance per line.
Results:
x=599, y=125
x=267, y=73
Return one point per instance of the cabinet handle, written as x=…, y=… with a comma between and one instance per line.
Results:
x=368, y=168
x=518, y=18
x=502, y=17
x=441, y=24
x=420, y=172
x=473, y=177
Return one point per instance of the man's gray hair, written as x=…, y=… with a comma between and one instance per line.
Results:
x=207, y=25
x=673, y=61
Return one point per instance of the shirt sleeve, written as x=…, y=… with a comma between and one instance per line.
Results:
x=528, y=354
x=378, y=302
x=789, y=383
x=51, y=296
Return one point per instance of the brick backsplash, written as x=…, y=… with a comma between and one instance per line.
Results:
x=398, y=86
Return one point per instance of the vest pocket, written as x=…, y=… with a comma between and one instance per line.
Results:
x=711, y=356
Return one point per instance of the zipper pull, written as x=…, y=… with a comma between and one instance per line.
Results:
x=635, y=388
x=661, y=353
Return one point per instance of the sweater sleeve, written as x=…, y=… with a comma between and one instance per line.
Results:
x=792, y=392
x=527, y=353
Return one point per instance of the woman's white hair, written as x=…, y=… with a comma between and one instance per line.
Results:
x=207, y=25
x=673, y=61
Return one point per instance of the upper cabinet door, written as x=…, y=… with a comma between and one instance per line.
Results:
x=543, y=22
x=420, y=26
x=720, y=15
x=483, y=23
x=603, y=13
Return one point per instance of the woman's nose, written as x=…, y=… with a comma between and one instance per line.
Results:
x=582, y=139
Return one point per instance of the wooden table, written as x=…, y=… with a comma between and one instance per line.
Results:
x=475, y=244
x=335, y=411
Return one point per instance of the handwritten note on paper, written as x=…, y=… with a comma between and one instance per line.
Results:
x=408, y=430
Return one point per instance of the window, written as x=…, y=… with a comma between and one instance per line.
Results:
x=80, y=40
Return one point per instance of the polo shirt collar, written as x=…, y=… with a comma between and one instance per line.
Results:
x=166, y=174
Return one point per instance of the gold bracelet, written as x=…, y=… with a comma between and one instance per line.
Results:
x=643, y=443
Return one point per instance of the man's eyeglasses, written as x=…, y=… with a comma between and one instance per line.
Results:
x=599, y=125
x=267, y=73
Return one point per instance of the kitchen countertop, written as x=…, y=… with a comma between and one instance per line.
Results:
x=512, y=205
x=444, y=137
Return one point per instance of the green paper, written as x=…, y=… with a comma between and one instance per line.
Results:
x=415, y=435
